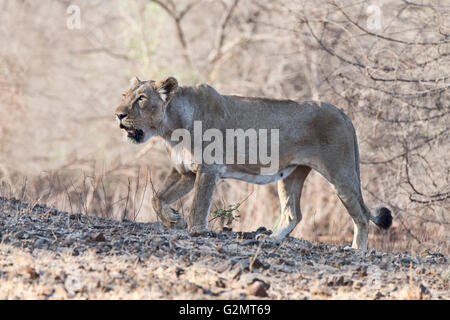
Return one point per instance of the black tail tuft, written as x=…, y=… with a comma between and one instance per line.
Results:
x=383, y=217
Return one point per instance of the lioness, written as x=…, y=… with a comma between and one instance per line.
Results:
x=312, y=135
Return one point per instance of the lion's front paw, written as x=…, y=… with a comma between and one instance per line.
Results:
x=179, y=220
x=171, y=218
x=201, y=231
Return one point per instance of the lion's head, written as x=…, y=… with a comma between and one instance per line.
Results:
x=142, y=109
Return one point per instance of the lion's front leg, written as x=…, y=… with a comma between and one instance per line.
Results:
x=205, y=185
x=174, y=187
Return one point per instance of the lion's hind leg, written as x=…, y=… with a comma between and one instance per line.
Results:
x=349, y=192
x=289, y=192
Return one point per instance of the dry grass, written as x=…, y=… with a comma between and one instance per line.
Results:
x=59, y=87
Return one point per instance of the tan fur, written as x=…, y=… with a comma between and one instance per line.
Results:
x=313, y=135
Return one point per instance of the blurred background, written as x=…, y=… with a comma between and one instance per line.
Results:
x=65, y=64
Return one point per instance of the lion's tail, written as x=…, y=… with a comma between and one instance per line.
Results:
x=383, y=216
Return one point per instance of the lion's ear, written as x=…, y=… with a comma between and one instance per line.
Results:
x=135, y=81
x=167, y=88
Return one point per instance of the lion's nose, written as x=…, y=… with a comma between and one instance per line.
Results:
x=121, y=115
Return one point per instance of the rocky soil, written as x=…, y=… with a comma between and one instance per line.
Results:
x=47, y=254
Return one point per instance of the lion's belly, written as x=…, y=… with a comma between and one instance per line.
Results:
x=257, y=179
x=183, y=162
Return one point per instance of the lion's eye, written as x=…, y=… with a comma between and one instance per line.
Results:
x=141, y=98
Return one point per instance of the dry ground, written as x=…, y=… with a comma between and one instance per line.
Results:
x=47, y=254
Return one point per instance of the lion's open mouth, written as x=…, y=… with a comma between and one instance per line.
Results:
x=137, y=135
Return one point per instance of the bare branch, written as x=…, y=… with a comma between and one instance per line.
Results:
x=220, y=36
